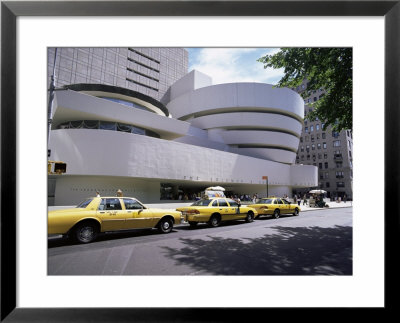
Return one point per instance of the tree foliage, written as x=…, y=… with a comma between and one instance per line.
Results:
x=330, y=69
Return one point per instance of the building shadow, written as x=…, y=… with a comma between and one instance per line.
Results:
x=287, y=251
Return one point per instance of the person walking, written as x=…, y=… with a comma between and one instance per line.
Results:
x=305, y=199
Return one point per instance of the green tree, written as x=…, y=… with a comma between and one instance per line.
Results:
x=330, y=69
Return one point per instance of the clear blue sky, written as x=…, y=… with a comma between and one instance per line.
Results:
x=226, y=65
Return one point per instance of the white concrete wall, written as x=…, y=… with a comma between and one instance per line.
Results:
x=71, y=105
x=70, y=190
x=191, y=81
x=252, y=114
x=120, y=155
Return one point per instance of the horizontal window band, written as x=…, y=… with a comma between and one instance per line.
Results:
x=258, y=128
x=293, y=150
x=144, y=65
x=144, y=75
x=138, y=83
x=144, y=55
x=242, y=110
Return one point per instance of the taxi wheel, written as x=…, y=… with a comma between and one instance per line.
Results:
x=296, y=211
x=165, y=225
x=215, y=220
x=249, y=217
x=276, y=214
x=85, y=232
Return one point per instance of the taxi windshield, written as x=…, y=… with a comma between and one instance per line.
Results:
x=201, y=203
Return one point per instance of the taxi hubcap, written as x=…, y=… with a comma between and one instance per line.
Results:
x=86, y=233
x=166, y=225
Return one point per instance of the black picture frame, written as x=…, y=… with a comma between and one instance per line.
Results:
x=10, y=10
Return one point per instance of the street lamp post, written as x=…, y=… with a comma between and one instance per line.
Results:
x=51, y=97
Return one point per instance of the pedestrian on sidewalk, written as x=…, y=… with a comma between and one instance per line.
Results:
x=305, y=199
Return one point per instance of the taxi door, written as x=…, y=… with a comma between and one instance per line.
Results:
x=111, y=214
x=288, y=207
x=224, y=209
x=284, y=206
x=137, y=216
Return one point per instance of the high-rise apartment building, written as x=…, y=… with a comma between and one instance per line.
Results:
x=330, y=151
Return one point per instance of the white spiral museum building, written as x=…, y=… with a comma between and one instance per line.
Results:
x=230, y=135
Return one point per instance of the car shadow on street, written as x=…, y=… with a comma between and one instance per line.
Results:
x=108, y=236
x=286, y=251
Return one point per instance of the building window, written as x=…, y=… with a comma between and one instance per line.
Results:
x=312, y=137
x=323, y=135
x=321, y=176
x=339, y=164
x=335, y=134
x=339, y=175
x=324, y=145
x=339, y=184
x=306, y=138
x=326, y=174
x=315, y=99
x=316, y=127
x=307, y=148
x=336, y=143
x=320, y=166
x=325, y=156
x=301, y=139
x=306, y=129
x=311, y=128
x=319, y=146
x=327, y=184
x=319, y=156
x=323, y=126
x=326, y=164
x=308, y=157
x=313, y=147
x=302, y=148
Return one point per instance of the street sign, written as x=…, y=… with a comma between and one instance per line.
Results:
x=265, y=177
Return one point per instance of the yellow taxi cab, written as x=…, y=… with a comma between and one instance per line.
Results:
x=215, y=210
x=100, y=214
x=275, y=206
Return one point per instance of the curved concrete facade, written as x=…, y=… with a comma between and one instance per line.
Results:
x=94, y=154
x=231, y=135
x=246, y=115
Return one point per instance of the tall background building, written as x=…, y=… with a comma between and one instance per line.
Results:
x=150, y=71
x=330, y=151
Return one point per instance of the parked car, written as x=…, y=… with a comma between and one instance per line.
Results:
x=214, y=211
x=101, y=214
x=275, y=206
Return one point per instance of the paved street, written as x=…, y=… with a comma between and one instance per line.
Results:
x=317, y=242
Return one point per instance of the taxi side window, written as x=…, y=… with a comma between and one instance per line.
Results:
x=275, y=201
x=132, y=204
x=280, y=201
x=215, y=203
x=110, y=204
x=222, y=203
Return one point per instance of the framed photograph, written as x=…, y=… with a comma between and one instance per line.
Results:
x=29, y=28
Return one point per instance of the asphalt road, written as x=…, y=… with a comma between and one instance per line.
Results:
x=313, y=243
